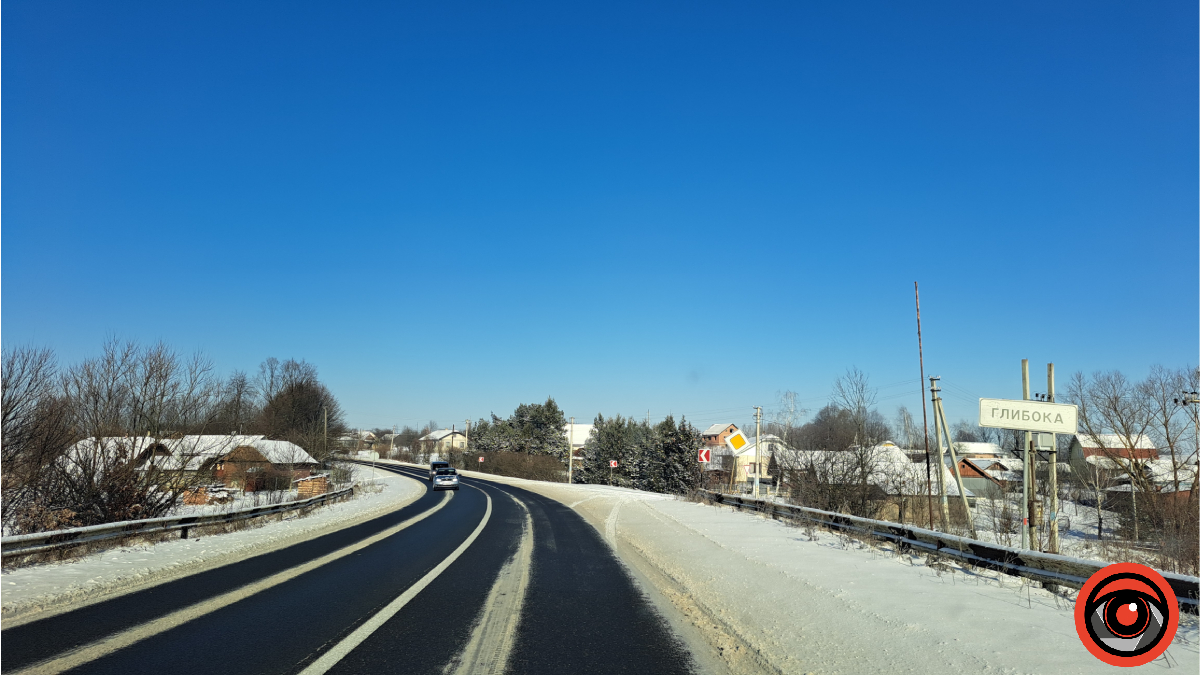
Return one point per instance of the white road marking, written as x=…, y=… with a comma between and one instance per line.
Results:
x=339, y=651
x=496, y=628
x=104, y=646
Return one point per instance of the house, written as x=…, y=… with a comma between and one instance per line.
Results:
x=981, y=451
x=977, y=480
x=577, y=435
x=442, y=441
x=356, y=440
x=236, y=460
x=748, y=463
x=715, y=435
x=1004, y=469
x=888, y=469
x=1111, y=446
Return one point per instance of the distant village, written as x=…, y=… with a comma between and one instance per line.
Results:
x=987, y=470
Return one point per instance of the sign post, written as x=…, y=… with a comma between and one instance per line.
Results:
x=1031, y=417
x=1055, y=418
x=735, y=442
x=612, y=464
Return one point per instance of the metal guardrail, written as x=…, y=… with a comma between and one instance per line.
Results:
x=40, y=542
x=1045, y=567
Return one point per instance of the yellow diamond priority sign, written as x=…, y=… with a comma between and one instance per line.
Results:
x=736, y=441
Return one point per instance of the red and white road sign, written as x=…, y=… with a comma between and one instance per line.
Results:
x=481, y=459
x=705, y=455
x=612, y=463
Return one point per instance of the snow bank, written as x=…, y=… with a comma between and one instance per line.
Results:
x=762, y=592
x=39, y=590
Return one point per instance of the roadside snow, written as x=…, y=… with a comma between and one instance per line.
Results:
x=801, y=602
x=39, y=590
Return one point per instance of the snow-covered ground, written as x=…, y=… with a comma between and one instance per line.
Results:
x=766, y=596
x=42, y=589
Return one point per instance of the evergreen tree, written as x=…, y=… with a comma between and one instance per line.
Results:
x=497, y=435
x=541, y=429
x=536, y=429
x=643, y=457
x=680, y=473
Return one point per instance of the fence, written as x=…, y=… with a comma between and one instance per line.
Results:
x=41, y=542
x=1044, y=567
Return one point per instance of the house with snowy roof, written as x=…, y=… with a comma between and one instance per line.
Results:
x=889, y=470
x=748, y=462
x=981, y=451
x=1112, y=446
x=979, y=481
x=715, y=434
x=442, y=441
x=237, y=460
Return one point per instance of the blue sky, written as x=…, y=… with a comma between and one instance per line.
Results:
x=452, y=208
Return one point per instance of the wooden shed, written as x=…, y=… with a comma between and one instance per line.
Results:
x=311, y=486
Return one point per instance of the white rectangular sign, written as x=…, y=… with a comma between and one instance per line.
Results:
x=1056, y=418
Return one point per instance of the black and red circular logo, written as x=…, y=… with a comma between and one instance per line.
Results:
x=1126, y=614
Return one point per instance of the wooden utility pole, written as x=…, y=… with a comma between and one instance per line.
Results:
x=1028, y=539
x=1053, y=544
x=925, y=417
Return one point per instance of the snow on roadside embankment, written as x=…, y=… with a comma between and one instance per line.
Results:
x=820, y=602
x=29, y=591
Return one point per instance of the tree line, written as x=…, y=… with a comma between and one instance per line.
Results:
x=50, y=480
x=532, y=443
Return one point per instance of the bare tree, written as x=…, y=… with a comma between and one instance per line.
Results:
x=36, y=431
x=1173, y=431
x=238, y=406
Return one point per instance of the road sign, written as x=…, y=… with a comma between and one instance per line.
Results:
x=612, y=463
x=736, y=441
x=1056, y=418
x=481, y=459
x=705, y=455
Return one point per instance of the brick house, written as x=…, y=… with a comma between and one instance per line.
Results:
x=715, y=435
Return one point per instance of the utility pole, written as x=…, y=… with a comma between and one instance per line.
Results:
x=757, y=447
x=571, y=452
x=1027, y=466
x=466, y=439
x=1053, y=466
x=925, y=417
x=325, y=424
x=939, y=416
x=937, y=437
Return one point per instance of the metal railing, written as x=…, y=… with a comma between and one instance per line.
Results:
x=1044, y=567
x=41, y=542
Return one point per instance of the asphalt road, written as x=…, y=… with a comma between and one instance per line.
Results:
x=404, y=592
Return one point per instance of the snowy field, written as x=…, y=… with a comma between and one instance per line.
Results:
x=35, y=590
x=766, y=596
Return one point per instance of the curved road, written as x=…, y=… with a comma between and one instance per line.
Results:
x=490, y=578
